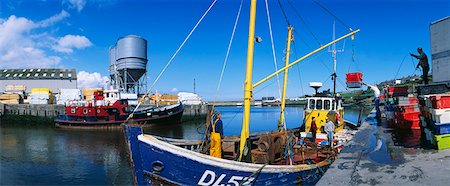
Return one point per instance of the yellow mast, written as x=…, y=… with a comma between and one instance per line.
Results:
x=281, y=121
x=248, y=88
x=305, y=56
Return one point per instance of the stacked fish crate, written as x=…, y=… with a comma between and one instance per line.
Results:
x=405, y=108
x=436, y=119
x=41, y=96
x=10, y=98
x=13, y=94
x=68, y=96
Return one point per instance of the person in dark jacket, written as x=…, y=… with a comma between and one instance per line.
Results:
x=423, y=62
x=216, y=125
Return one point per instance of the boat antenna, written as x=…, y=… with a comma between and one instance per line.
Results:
x=334, y=52
x=194, y=86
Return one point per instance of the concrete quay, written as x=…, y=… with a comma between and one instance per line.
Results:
x=378, y=155
x=47, y=111
x=191, y=112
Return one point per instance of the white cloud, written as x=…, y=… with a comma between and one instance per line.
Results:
x=91, y=80
x=67, y=43
x=53, y=19
x=18, y=46
x=174, y=90
x=25, y=43
x=76, y=4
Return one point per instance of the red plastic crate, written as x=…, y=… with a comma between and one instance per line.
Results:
x=407, y=115
x=440, y=101
x=408, y=124
x=409, y=108
x=354, y=77
x=394, y=89
x=413, y=100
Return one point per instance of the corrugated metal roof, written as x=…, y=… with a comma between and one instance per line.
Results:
x=38, y=73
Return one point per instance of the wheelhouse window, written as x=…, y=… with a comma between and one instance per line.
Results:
x=326, y=105
x=319, y=104
x=312, y=103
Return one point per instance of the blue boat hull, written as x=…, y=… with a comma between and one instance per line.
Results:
x=153, y=158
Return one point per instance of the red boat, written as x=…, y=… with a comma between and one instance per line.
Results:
x=95, y=114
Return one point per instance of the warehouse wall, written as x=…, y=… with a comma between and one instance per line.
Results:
x=53, y=84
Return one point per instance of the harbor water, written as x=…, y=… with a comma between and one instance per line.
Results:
x=49, y=156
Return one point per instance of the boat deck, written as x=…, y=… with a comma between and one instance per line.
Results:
x=380, y=156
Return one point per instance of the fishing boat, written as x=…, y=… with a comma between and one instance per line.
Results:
x=323, y=105
x=268, y=158
x=97, y=114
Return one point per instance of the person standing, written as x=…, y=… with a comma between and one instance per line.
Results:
x=216, y=135
x=423, y=62
x=329, y=129
x=376, y=93
x=313, y=129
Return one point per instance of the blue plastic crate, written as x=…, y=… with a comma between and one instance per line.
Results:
x=442, y=129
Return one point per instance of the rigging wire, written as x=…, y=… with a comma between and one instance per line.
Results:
x=414, y=65
x=310, y=48
x=223, y=70
x=227, y=54
x=353, y=60
x=304, y=22
x=284, y=13
x=399, y=67
x=298, y=68
x=329, y=12
x=323, y=63
x=173, y=56
x=273, y=47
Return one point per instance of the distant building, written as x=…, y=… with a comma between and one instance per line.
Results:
x=51, y=78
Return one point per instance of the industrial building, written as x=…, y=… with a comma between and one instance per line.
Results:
x=53, y=79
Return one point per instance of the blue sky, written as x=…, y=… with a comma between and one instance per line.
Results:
x=78, y=33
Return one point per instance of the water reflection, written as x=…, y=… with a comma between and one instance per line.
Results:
x=49, y=156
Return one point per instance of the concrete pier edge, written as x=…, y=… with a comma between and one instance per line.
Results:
x=361, y=162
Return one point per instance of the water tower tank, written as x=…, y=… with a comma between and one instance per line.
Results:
x=131, y=56
x=112, y=61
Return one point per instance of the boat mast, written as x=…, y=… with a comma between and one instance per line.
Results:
x=248, y=85
x=281, y=121
x=334, y=52
x=351, y=34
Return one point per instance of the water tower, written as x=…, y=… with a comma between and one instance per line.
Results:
x=128, y=63
x=112, y=64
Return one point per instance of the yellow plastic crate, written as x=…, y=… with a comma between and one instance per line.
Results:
x=442, y=141
x=41, y=91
